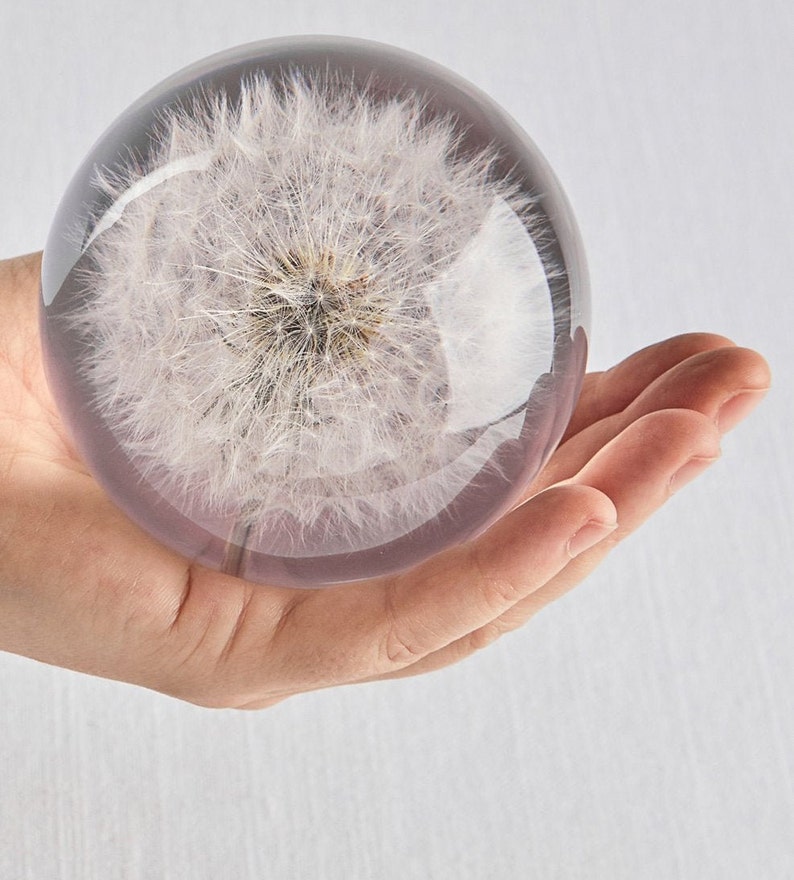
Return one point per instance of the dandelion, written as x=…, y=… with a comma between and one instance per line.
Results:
x=312, y=312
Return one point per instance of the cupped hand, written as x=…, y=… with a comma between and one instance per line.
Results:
x=83, y=587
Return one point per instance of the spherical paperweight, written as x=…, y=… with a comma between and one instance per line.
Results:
x=314, y=310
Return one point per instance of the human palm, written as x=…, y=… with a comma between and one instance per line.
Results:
x=83, y=587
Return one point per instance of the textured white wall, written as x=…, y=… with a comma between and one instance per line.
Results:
x=642, y=727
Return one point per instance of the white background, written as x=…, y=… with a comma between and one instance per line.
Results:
x=642, y=728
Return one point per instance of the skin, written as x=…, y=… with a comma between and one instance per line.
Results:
x=83, y=587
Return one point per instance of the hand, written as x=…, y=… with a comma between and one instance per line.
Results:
x=83, y=587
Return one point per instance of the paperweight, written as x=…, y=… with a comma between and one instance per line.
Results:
x=314, y=310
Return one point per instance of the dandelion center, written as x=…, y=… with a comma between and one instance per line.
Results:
x=314, y=313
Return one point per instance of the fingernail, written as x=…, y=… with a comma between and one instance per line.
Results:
x=590, y=534
x=738, y=407
x=690, y=470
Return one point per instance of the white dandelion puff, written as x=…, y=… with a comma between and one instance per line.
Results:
x=311, y=312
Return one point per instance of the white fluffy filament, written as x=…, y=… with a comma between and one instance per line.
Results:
x=311, y=303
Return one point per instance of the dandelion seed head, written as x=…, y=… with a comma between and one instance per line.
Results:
x=311, y=311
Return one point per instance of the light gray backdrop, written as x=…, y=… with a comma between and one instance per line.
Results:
x=641, y=728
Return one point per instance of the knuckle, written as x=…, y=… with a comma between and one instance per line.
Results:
x=499, y=593
x=398, y=650
x=675, y=421
x=511, y=620
x=399, y=646
x=489, y=633
x=486, y=635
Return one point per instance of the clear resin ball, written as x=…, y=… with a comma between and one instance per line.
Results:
x=313, y=310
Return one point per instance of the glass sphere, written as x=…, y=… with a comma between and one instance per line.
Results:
x=313, y=310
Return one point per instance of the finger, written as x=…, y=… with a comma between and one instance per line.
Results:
x=609, y=392
x=722, y=384
x=655, y=458
x=364, y=630
x=635, y=470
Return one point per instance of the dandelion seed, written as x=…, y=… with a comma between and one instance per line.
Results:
x=322, y=327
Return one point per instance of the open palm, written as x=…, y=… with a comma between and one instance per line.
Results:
x=81, y=586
